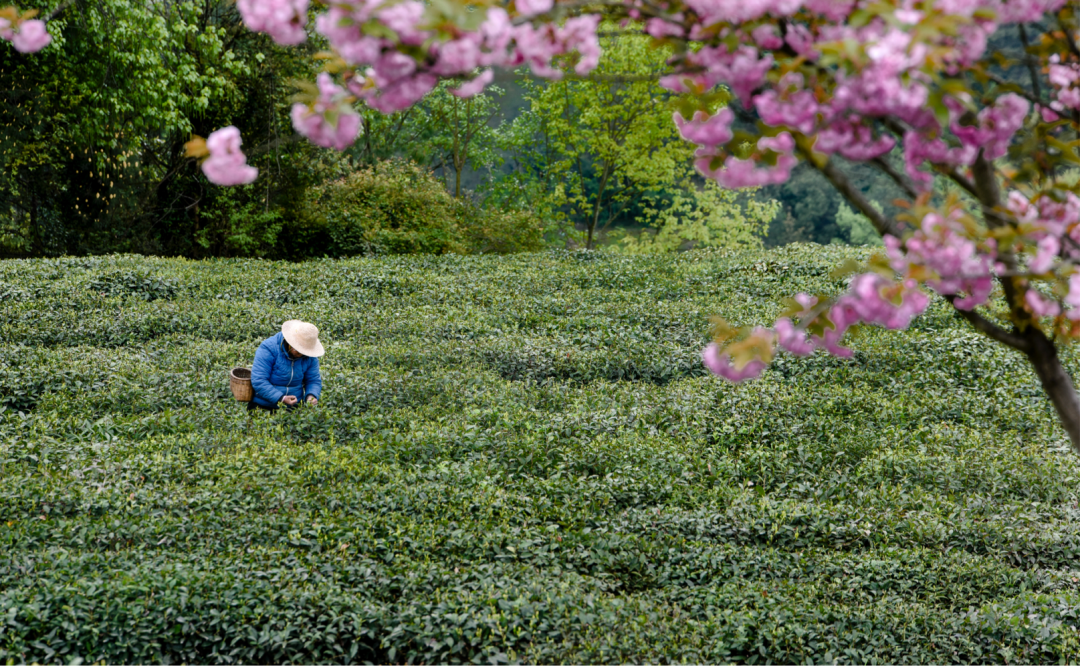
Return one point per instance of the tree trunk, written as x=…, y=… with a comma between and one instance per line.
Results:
x=1056, y=383
x=1040, y=350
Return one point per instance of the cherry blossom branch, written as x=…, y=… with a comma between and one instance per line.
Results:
x=1066, y=33
x=897, y=177
x=960, y=179
x=883, y=225
x=1015, y=87
x=1030, y=62
x=989, y=328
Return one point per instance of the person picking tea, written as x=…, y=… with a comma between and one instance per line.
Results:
x=286, y=368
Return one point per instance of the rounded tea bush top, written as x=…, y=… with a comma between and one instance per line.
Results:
x=516, y=458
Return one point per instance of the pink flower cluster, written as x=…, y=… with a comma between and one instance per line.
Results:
x=992, y=133
x=742, y=70
x=712, y=132
x=330, y=122
x=740, y=11
x=392, y=74
x=752, y=172
x=721, y=363
x=948, y=258
x=226, y=165
x=283, y=20
x=1066, y=81
x=956, y=263
x=872, y=299
x=26, y=36
x=1052, y=226
x=889, y=81
x=1048, y=223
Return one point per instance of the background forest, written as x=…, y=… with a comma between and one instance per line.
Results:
x=92, y=160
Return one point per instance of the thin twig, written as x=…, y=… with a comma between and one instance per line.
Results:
x=989, y=328
x=900, y=179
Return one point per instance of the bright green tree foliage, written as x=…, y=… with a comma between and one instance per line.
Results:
x=705, y=217
x=610, y=141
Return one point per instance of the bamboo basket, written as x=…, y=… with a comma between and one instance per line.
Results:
x=240, y=384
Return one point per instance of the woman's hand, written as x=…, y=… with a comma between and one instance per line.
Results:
x=289, y=400
x=312, y=400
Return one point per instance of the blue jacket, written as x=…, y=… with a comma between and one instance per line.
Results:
x=274, y=374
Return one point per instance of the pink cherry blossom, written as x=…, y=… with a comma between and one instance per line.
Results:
x=474, y=86
x=721, y=364
x=997, y=126
x=331, y=122
x=226, y=164
x=1064, y=77
x=852, y=140
x=1072, y=299
x=1048, y=248
x=706, y=130
x=1041, y=306
x=737, y=11
x=841, y=317
x=765, y=36
x=403, y=93
x=791, y=338
x=533, y=7
x=30, y=37
x=283, y=20
x=960, y=267
x=739, y=173
x=659, y=28
x=874, y=299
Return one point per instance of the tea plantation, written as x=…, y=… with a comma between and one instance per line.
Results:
x=516, y=459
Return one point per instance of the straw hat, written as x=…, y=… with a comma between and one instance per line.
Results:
x=303, y=337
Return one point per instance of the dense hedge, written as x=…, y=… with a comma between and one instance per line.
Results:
x=515, y=459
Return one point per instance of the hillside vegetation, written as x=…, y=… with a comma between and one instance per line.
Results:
x=515, y=459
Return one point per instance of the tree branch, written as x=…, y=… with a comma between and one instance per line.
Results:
x=961, y=180
x=990, y=329
x=900, y=179
x=883, y=225
x=1032, y=71
x=1015, y=87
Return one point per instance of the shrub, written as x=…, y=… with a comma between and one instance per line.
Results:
x=493, y=231
x=398, y=207
x=238, y=229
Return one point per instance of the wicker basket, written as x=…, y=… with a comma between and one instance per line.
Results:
x=240, y=384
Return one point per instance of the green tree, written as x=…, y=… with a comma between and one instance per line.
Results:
x=462, y=135
x=385, y=136
x=92, y=130
x=608, y=142
x=443, y=132
x=88, y=113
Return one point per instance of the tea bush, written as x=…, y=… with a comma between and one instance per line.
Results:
x=516, y=458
